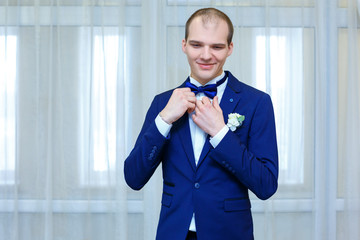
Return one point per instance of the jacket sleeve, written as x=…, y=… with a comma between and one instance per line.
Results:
x=255, y=163
x=145, y=157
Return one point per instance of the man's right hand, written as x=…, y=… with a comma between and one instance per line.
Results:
x=181, y=100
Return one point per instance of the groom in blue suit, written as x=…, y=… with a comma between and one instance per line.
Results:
x=215, y=138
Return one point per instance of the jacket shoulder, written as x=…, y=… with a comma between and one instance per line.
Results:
x=245, y=89
x=165, y=96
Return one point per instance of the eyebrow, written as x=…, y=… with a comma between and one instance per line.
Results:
x=201, y=43
x=195, y=42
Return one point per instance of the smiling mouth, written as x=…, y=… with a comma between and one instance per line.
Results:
x=206, y=65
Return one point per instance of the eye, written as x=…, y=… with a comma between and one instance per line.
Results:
x=195, y=45
x=216, y=47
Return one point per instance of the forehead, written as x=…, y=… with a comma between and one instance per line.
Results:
x=213, y=29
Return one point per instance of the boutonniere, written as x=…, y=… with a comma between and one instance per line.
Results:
x=235, y=120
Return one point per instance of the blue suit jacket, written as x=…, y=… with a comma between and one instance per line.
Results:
x=216, y=190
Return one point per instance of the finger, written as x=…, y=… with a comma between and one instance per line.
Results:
x=190, y=110
x=192, y=99
x=199, y=103
x=197, y=108
x=193, y=117
x=205, y=100
x=185, y=89
x=216, y=103
x=191, y=107
x=189, y=94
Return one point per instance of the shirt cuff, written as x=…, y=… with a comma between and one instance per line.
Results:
x=163, y=127
x=219, y=136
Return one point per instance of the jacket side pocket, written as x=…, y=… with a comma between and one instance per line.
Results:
x=166, y=199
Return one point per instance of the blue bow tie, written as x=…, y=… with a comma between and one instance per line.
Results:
x=209, y=90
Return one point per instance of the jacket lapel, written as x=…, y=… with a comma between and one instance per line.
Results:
x=183, y=130
x=231, y=97
x=229, y=101
x=185, y=138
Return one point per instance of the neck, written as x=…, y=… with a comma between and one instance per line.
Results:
x=204, y=82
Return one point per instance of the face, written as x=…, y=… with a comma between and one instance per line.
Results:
x=207, y=49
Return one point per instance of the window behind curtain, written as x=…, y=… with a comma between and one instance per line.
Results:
x=8, y=45
x=98, y=169
x=279, y=71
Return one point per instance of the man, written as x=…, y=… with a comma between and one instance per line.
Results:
x=209, y=162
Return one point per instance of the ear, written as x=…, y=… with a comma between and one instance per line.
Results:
x=231, y=47
x=183, y=43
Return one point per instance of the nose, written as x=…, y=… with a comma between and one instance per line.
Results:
x=206, y=53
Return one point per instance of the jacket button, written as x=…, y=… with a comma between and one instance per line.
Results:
x=197, y=185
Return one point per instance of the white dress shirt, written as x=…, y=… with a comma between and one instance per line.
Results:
x=198, y=136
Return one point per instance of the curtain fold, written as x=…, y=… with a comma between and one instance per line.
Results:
x=76, y=80
x=351, y=130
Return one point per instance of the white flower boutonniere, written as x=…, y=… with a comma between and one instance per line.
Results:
x=235, y=120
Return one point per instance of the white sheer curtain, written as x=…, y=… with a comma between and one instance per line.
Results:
x=76, y=79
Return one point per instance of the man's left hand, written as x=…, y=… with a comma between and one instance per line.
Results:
x=208, y=116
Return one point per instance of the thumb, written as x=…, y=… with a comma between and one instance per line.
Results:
x=216, y=103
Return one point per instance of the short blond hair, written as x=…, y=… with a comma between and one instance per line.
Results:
x=208, y=14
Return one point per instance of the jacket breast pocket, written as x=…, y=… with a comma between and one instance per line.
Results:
x=237, y=204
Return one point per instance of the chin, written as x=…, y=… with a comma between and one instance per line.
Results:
x=208, y=76
x=205, y=75
x=205, y=78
